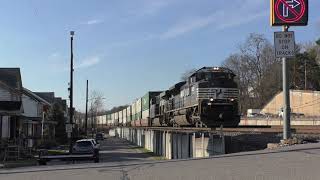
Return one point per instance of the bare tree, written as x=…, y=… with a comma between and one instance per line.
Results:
x=96, y=107
x=259, y=73
x=313, y=46
x=256, y=69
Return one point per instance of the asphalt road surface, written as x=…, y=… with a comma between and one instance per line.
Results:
x=113, y=149
x=300, y=162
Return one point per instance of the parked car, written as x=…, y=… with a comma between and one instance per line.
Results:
x=99, y=137
x=86, y=146
x=96, y=144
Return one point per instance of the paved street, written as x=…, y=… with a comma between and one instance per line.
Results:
x=118, y=150
x=296, y=162
x=114, y=150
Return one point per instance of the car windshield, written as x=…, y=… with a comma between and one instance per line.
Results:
x=84, y=144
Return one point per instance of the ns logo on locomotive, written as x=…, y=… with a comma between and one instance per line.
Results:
x=208, y=98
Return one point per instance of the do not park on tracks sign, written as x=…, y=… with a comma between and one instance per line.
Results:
x=284, y=44
x=289, y=12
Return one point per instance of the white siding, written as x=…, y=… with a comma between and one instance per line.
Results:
x=31, y=107
x=4, y=94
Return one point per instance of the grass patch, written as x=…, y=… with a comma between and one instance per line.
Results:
x=20, y=163
x=159, y=158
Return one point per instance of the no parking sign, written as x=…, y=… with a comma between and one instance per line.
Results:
x=289, y=12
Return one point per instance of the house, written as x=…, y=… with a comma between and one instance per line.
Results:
x=57, y=125
x=35, y=118
x=10, y=103
x=63, y=104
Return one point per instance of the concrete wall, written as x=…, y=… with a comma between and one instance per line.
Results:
x=208, y=145
x=174, y=145
x=306, y=102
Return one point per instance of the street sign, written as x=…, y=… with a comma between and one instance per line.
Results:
x=284, y=44
x=289, y=12
x=69, y=128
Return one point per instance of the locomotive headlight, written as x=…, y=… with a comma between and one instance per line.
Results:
x=211, y=99
x=231, y=99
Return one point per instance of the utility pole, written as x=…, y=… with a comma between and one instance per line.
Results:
x=305, y=74
x=92, y=128
x=71, y=90
x=286, y=96
x=86, y=118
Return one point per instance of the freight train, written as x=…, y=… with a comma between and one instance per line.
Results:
x=208, y=98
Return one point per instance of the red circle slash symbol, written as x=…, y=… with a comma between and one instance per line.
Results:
x=290, y=11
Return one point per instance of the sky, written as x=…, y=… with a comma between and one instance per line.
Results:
x=128, y=47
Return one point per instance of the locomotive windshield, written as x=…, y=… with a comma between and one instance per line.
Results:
x=210, y=76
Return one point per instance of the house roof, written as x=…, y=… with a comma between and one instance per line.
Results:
x=48, y=96
x=11, y=77
x=35, y=96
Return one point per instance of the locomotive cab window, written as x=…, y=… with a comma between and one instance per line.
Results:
x=208, y=76
x=220, y=75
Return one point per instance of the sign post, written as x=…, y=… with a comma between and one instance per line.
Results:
x=286, y=96
x=287, y=13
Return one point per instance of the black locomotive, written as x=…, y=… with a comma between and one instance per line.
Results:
x=208, y=98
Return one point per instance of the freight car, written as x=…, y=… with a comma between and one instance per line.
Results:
x=208, y=98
